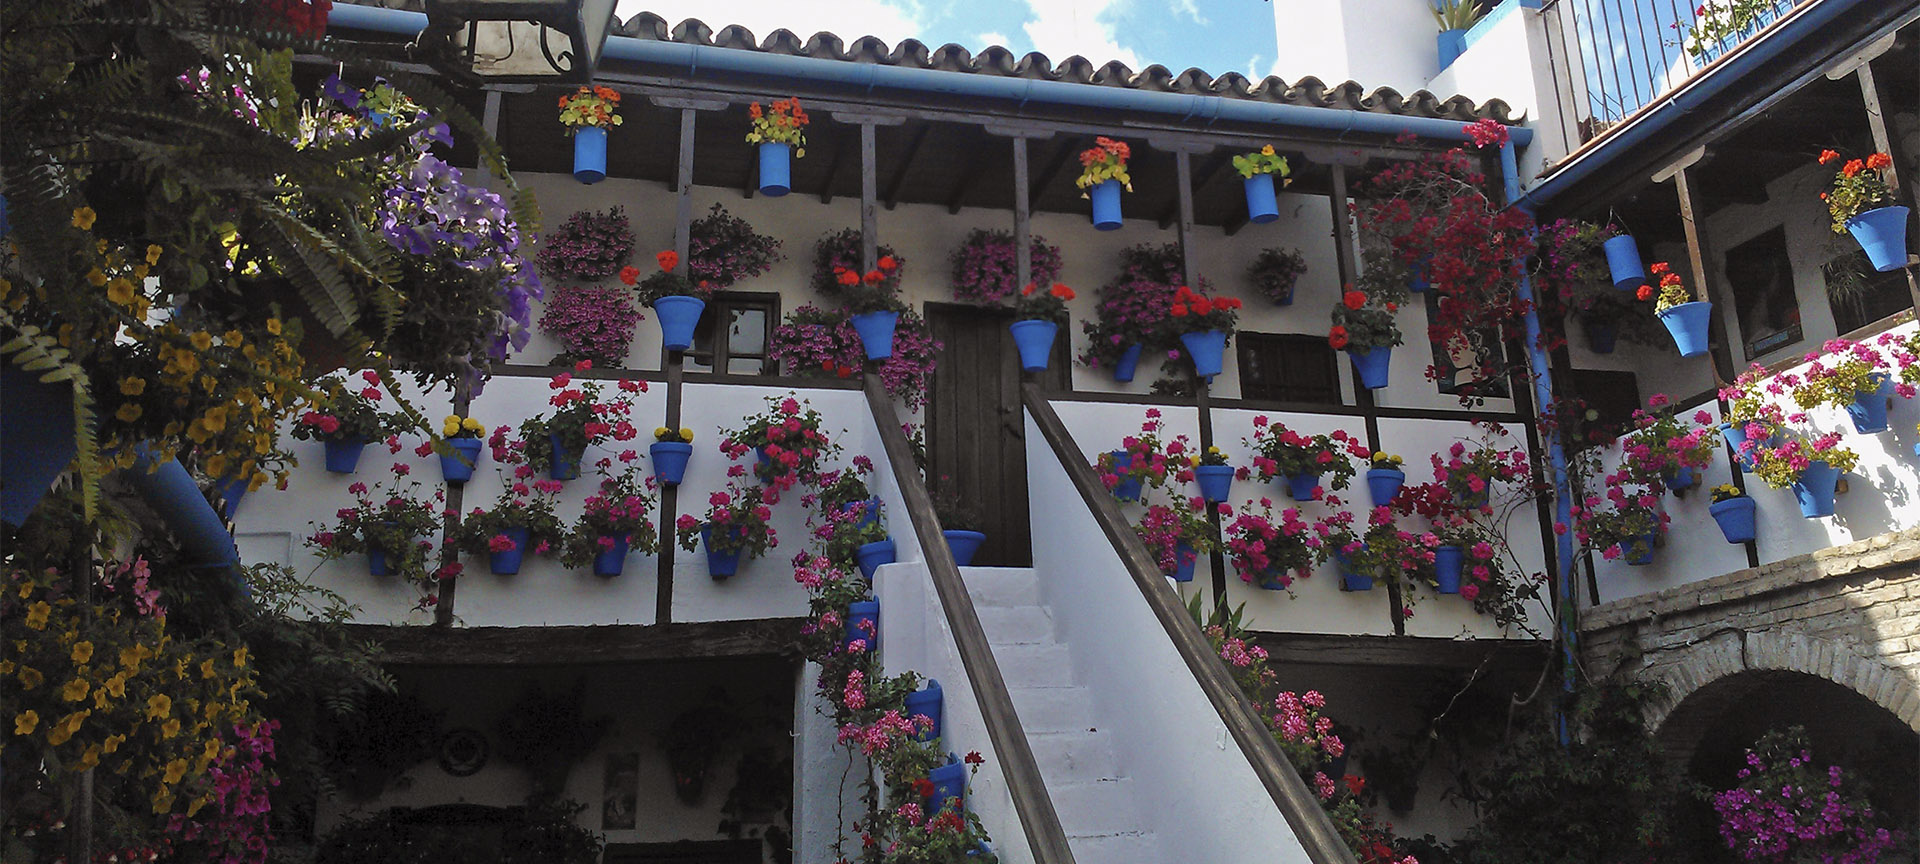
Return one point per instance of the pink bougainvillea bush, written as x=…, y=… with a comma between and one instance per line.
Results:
x=589, y=245
x=593, y=322
x=985, y=269
x=1785, y=809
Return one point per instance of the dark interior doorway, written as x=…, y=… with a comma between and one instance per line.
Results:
x=976, y=430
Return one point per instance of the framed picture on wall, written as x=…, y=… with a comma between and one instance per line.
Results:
x=622, y=794
x=1760, y=278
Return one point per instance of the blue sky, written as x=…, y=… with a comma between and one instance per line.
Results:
x=1216, y=35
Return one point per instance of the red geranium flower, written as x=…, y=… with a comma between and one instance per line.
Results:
x=1337, y=337
x=629, y=275
x=1179, y=310
x=1354, y=300
x=887, y=263
x=668, y=259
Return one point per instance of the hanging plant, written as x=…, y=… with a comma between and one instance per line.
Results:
x=838, y=253
x=985, y=269
x=591, y=322
x=1664, y=452
x=723, y=249
x=1133, y=308
x=1275, y=272
x=590, y=245
x=817, y=343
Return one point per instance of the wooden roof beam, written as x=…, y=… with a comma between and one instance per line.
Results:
x=1059, y=161
x=1213, y=166
x=899, y=178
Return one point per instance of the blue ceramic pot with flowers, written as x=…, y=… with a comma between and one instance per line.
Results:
x=926, y=702
x=506, y=560
x=343, y=454
x=1129, y=488
x=872, y=555
x=1446, y=568
x=1215, y=481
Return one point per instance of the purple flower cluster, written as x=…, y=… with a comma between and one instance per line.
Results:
x=589, y=245
x=1784, y=809
x=1135, y=306
x=985, y=269
x=594, y=322
x=840, y=252
x=723, y=249
x=814, y=342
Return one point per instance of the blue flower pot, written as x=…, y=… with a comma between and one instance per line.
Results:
x=1300, y=486
x=872, y=555
x=1417, y=277
x=1129, y=488
x=776, y=169
x=1735, y=516
x=1355, y=582
x=963, y=544
x=670, y=461
x=1106, y=205
x=720, y=564
x=949, y=788
x=1207, y=349
x=1815, y=489
x=377, y=562
x=1384, y=483
x=611, y=561
x=876, y=333
x=927, y=702
x=590, y=154
x=343, y=455
x=1184, y=557
x=1679, y=479
x=1869, y=409
x=1882, y=234
x=1034, y=340
x=1623, y=262
x=1688, y=324
x=1371, y=366
x=508, y=563
x=1216, y=481
x=1446, y=569
x=566, y=463
x=230, y=492
x=1602, y=336
x=863, y=611
x=1736, y=436
x=871, y=514
x=1639, y=552
x=1268, y=581
x=1129, y=361
x=457, y=467
x=678, y=315
x=1450, y=44
x=1262, y=206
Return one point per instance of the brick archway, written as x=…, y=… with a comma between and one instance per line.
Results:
x=1699, y=667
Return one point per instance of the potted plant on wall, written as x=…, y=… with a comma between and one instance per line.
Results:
x=1213, y=475
x=1257, y=170
x=1810, y=466
x=1663, y=452
x=1364, y=327
x=591, y=245
x=1203, y=325
x=580, y=418
x=960, y=523
x=723, y=249
x=1335, y=540
x=985, y=269
x=1037, y=315
x=591, y=322
x=588, y=113
x=613, y=521
x=348, y=422
x=1275, y=272
x=777, y=132
x=736, y=526
x=389, y=525
x=1734, y=512
x=1468, y=474
x=1310, y=463
x=1385, y=476
x=1685, y=317
x=462, y=436
x=675, y=299
x=787, y=444
x=1629, y=527
x=1852, y=376
x=1270, y=551
x=1141, y=461
x=1103, y=173
x=520, y=521
x=1455, y=17
x=1177, y=534
x=1861, y=204
x=872, y=305
x=669, y=453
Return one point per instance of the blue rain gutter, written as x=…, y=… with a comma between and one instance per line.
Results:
x=172, y=494
x=1764, y=51
x=869, y=77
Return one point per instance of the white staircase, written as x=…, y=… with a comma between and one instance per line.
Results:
x=1098, y=805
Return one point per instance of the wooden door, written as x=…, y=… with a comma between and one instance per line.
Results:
x=976, y=428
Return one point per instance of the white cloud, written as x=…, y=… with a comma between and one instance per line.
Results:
x=991, y=37
x=1191, y=9
x=1062, y=28
x=849, y=19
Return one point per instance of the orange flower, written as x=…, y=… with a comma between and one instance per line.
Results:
x=887, y=263
x=1179, y=310
x=629, y=275
x=1027, y=290
x=607, y=93
x=1354, y=300
x=1062, y=291
x=1828, y=156
x=1852, y=167
x=1879, y=161
x=875, y=277
x=1659, y=267
x=753, y=110
x=1645, y=292
x=563, y=101
x=846, y=277
x=668, y=259
x=1337, y=337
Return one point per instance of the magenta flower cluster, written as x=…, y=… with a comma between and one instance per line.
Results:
x=723, y=249
x=237, y=830
x=1785, y=809
x=816, y=343
x=986, y=269
x=594, y=322
x=589, y=245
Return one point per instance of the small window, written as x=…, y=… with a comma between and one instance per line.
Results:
x=732, y=335
x=1760, y=278
x=1276, y=367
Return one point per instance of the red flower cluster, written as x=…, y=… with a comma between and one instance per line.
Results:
x=668, y=259
x=1337, y=337
x=1186, y=300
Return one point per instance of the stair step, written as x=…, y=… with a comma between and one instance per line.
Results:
x=1016, y=625
x=1095, y=807
x=1128, y=848
x=1002, y=586
x=1037, y=665
x=1052, y=709
x=1074, y=756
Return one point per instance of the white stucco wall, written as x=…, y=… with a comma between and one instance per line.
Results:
x=1379, y=43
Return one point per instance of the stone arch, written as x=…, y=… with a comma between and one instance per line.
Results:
x=1717, y=660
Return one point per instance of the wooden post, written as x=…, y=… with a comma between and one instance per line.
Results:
x=869, y=195
x=673, y=362
x=1022, y=217
x=1883, y=142
x=1202, y=387
x=456, y=507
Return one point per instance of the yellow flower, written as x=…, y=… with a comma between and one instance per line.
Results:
x=686, y=435
x=1267, y=150
x=163, y=800
x=120, y=291
x=128, y=412
x=170, y=728
x=240, y=657
x=206, y=668
x=130, y=657
x=82, y=652
x=202, y=340
x=660, y=431
x=158, y=706
x=30, y=677
x=37, y=615
x=96, y=277
x=116, y=686
x=133, y=386
x=75, y=690
x=215, y=418
x=472, y=425
x=175, y=770
x=90, y=758
x=153, y=254
x=83, y=218
x=217, y=465
x=112, y=743
x=273, y=326
x=25, y=722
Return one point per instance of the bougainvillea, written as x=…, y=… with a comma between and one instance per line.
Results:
x=1786, y=809
x=723, y=249
x=593, y=322
x=985, y=269
x=589, y=245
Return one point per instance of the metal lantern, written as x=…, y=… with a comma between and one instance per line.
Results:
x=521, y=40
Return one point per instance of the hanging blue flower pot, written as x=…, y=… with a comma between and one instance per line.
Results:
x=1451, y=44
x=1106, y=205
x=377, y=562
x=611, y=560
x=1300, y=486
x=1349, y=580
x=507, y=563
x=870, y=514
x=1869, y=408
x=1639, y=550
x=1216, y=481
x=1623, y=262
x=1207, y=348
x=1882, y=234
x=678, y=315
x=1384, y=483
x=1815, y=489
x=1602, y=336
x=1371, y=366
x=1736, y=436
x=566, y=462
x=1184, y=557
x=1446, y=569
x=670, y=461
x=1262, y=206
x=589, y=154
x=1034, y=340
x=457, y=467
x=926, y=702
x=872, y=555
x=1417, y=277
x=863, y=622
x=1129, y=361
x=343, y=455
x=776, y=169
x=1688, y=324
x=876, y=333
x=1679, y=479
x=949, y=788
x=1735, y=516
x=963, y=544
x=721, y=564
x=230, y=492
x=1128, y=489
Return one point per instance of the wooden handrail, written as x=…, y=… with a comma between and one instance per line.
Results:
x=1297, y=803
x=1030, y=799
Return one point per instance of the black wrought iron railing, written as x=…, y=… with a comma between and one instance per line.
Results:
x=1613, y=57
x=1297, y=804
x=1031, y=803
